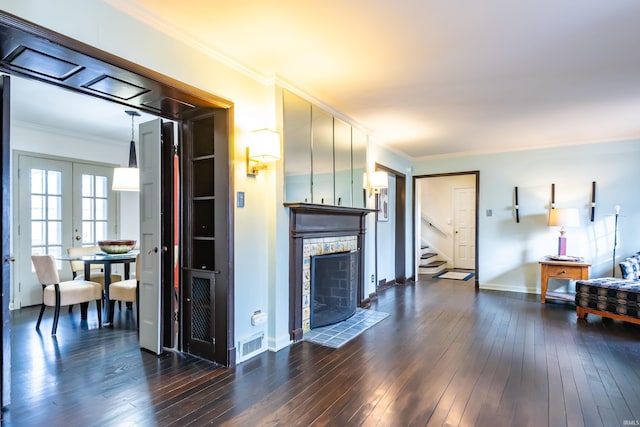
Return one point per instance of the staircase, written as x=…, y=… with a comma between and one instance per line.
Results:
x=429, y=263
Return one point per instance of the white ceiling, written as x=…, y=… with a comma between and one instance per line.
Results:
x=43, y=105
x=433, y=77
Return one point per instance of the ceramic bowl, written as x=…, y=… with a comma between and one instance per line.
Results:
x=116, y=246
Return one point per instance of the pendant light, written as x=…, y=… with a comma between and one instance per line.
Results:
x=128, y=179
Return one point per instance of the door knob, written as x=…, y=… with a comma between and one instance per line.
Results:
x=153, y=250
x=78, y=238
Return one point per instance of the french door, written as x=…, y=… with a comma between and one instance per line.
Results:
x=60, y=204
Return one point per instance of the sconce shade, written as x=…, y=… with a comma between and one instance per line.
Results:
x=264, y=146
x=568, y=217
x=378, y=180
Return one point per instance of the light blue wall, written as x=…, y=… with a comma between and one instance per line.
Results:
x=387, y=238
x=508, y=251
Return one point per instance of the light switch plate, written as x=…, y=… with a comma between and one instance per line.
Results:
x=240, y=197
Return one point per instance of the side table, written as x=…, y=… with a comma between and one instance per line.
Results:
x=561, y=270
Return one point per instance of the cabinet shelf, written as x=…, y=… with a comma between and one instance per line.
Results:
x=207, y=157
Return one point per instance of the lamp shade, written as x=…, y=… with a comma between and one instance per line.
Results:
x=378, y=180
x=126, y=179
x=567, y=217
x=264, y=146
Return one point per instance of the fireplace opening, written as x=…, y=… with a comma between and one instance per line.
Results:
x=334, y=287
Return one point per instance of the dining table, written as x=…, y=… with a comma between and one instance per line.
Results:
x=106, y=260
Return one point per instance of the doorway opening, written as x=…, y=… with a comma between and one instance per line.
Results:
x=34, y=52
x=390, y=230
x=446, y=223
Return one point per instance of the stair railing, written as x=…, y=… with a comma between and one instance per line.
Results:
x=434, y=225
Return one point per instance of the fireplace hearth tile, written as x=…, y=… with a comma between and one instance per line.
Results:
x=340, y=333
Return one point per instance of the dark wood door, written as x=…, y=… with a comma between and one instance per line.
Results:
x=206, y=244
x=169, y=290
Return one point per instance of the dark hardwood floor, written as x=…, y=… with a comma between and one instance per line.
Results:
x=447, y=355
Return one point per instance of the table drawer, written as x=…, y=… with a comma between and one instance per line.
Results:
x=564, y=272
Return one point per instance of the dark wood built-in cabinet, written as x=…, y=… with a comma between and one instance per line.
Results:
x=206, y=237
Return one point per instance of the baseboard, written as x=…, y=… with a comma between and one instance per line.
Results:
x=277, y=344
x=509, y=288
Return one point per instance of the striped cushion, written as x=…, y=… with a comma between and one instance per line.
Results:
x=609, y=294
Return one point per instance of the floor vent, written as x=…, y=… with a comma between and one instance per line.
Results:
x=250, y=345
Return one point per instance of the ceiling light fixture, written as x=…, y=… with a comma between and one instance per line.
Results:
x=128, y=179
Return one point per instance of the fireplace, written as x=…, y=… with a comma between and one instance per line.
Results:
x=315, y=232
x=334, y=287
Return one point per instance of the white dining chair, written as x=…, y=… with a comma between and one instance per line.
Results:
x=56, y=293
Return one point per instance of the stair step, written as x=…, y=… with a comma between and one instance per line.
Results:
x=433, y=264
x=432, y=268
x=424, y=247
x=428, y=255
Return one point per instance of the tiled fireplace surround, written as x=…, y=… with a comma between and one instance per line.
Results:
x=319, y=230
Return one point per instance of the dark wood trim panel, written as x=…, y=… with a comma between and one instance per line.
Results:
x=25, y=46
x=168, y=223
x=477, y=204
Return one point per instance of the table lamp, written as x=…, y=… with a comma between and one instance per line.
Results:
x=567, y=217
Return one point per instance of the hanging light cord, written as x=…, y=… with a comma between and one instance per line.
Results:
x=133, y=162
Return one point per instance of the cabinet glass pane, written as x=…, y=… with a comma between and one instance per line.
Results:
x=322, y=158
x=342, y=155
x=359, y=153
x=297, y=148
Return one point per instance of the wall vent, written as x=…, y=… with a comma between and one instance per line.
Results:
x=250, y=345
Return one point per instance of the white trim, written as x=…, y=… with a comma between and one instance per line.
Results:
x=509, y=288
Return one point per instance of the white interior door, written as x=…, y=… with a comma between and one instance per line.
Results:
x=150, y=234
x=464, y=252
x=62, y=203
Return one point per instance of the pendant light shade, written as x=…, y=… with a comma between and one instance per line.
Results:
x=128, y=179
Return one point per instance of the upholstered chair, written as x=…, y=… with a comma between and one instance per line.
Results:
x=77, y=267
x=56, y=293
x=125, y=291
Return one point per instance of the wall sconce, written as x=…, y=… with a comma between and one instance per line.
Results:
x=128, y=179
x=264, y=147
x=375, y=181
x=563, y=218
